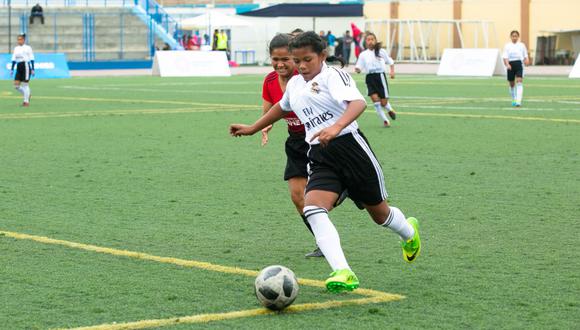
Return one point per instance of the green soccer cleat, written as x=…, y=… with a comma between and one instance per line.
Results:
x=514, y=103
x=342, y=280
x=412, y=247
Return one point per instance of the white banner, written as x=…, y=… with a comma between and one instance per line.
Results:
x=471, y=62
x=576, y=69
x=181, y=63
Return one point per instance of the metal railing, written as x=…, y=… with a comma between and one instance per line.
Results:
x=67, y=3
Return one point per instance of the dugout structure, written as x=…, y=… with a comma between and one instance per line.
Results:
x=423, y=40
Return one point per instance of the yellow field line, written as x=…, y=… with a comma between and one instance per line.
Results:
x=459, y=115
x=205, y=318
x=372, y=296
x=36, y=115
x=96, y=99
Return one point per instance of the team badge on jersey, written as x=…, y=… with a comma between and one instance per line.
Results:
x=315, y=88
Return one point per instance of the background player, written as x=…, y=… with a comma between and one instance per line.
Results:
x=23, y=59
x=296, y=172
x=515, y=55
x=373, y=61
x=327, y=101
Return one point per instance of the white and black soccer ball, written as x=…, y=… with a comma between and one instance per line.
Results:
x=276, y=287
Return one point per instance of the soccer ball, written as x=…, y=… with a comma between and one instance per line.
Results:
x=276, y=287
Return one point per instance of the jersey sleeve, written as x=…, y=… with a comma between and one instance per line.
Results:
x=285, y=101
x=342, y=87
x=360, y=63
x=266, y=92
x=30, y=53
x=386, y=57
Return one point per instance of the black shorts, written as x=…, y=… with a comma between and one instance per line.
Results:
x=516, y=71
x=296, y=157
x=347, y=162
x=377, y=84
x=22, y=72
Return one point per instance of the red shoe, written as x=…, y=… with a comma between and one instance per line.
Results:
x=25, y=104
x=386, y=124
x=392, y=114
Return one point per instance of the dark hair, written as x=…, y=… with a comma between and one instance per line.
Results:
x=281, y=40
x=23, y=36
x=516, y=32
x=378, y=45
x=315, y=42
x=297, y=31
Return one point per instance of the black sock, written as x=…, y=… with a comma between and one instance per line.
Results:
x=307, y=224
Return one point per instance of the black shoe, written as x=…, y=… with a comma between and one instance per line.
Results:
x=314, y=254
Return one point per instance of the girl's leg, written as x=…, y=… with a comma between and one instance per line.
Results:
x=379, y=109
x=387, y=105
x=519, y=91
x=391, y=217
x=317, y=202
x=297, y=186
x=26, y=91
x=513, y=91
x=17, y=87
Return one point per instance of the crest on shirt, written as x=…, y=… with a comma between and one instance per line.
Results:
x=315, y=88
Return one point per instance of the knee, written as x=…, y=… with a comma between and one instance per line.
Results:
x=297, y=198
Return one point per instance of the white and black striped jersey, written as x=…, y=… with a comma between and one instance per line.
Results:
x=320, y=102
x=22, y=54
x=370, y=63
x=515, y=52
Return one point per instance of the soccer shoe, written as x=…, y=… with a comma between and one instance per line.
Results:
x=412, y=247
x=25, y=104
x=386, y=124
x=514, y=103
x=342, y=280
x=518, y=105
x=392, y=114
x=315, y=254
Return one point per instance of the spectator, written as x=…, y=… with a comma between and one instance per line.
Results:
x=196, y=41
x=214, y=44
x=222, y=43
x=36, y=12
x=347, y=41
x=323, y=36
x=166, y=46
x=331, y=39
x=206, y=39
x=190, y=43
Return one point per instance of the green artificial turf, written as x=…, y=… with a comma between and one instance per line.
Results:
x=146, y=164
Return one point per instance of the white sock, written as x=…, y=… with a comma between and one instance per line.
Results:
x=26, y=92
x=327, y=237
x=397, y=222
x=379, y=110
x=388, y=106
x=513, y=92
x=519, y=92
x=19, y=89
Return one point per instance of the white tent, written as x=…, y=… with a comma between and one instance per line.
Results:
x=213, y=20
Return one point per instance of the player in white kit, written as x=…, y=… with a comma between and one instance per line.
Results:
x=23, y=59
x=373, y=62
x=327, y=102
x=515, y=55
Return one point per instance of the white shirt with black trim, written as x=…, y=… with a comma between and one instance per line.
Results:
x=370, y=63
x=515, y=52
x=320, y=102
x=22, y=54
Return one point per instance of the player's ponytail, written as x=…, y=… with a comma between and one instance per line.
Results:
x=332, y=59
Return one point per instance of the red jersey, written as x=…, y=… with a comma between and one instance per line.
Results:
x=272, y=92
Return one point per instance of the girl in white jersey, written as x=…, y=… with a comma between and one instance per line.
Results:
x=327, y=101
x=23, y=59
x=373, y=61
x=515, y=55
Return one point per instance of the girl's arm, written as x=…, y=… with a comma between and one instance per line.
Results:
x=265, y=107
x=353, y=111
x=272, y=116
x=392, y=73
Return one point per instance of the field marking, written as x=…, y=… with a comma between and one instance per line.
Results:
x=162, y=91
x=40, y=115
x=94, y=99
x=460, y=115
x=372, y=296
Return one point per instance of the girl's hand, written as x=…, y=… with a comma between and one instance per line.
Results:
x=392, y=74
x=527, y=61
x=326, y=135
x=265, y=135
x=509, y=67
x=240, y=130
